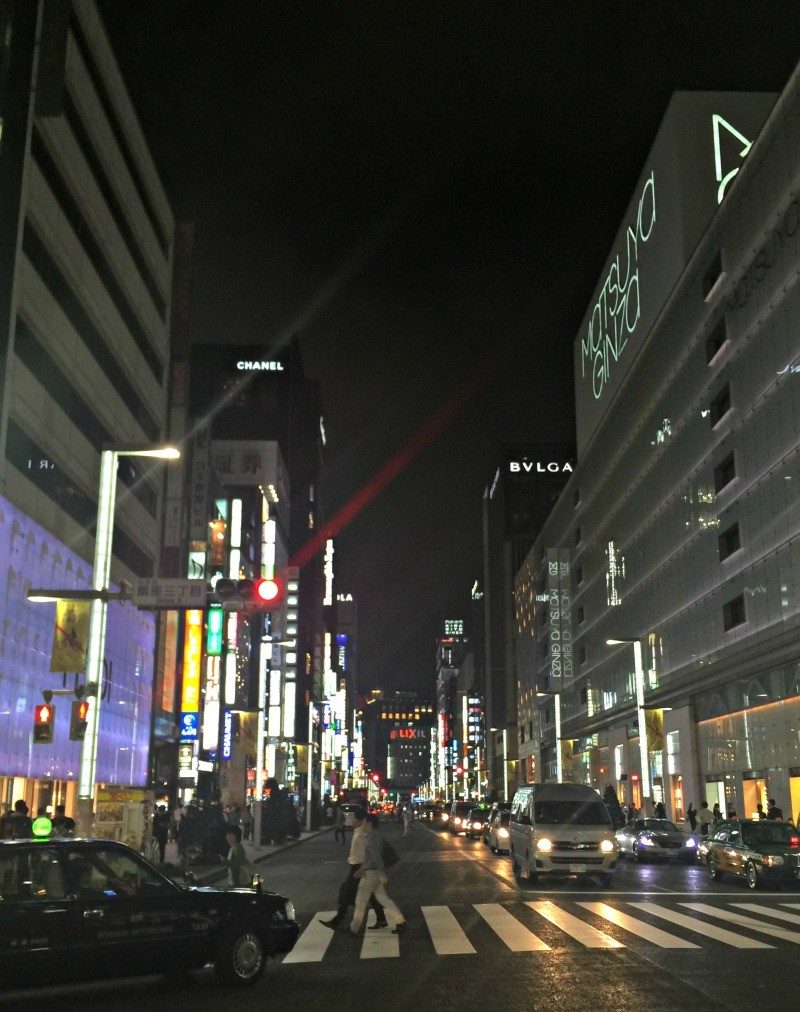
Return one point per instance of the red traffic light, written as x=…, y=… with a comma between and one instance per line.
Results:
x=375, y=778
x=260, y=594
x=268, y=590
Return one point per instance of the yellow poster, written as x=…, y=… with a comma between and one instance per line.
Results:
x=70, y=636
x=654, y=721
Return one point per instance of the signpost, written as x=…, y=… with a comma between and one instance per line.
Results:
x=155, y=594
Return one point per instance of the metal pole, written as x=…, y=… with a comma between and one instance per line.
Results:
x=97, y=637
x=310, y=770
x=559, y=756
x=478, y=750
x=260, y=740
x=643, y=752
x=505, y=764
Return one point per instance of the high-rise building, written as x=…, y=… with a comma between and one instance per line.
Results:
x=522, y=493
x=85, y=289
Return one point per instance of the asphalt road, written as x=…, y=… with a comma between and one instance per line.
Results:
x=662, y=937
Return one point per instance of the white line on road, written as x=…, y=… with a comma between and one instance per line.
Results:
x=509, y=929
x=574, y=926
x=379, y=944
x=312, y=945
x=639, y=928
x=702, y=927
x=746, y=922
x=446, y=933
x=758, y=908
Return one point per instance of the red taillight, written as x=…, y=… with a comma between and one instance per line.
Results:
x=794, y=842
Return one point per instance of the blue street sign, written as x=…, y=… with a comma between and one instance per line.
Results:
x=188, y=726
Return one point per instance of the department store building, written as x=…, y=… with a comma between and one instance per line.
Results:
x=680, y=527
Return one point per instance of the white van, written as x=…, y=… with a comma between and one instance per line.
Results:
x=561, y=830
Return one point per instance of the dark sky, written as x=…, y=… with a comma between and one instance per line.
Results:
x=422, y=192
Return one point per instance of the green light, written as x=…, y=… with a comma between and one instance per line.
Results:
x=41, y=827
x=214, y=632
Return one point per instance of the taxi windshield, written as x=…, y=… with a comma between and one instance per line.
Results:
x=769, y=832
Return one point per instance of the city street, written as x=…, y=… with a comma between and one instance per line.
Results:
x=663, y=937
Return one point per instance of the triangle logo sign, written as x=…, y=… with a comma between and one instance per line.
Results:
x=725, y=133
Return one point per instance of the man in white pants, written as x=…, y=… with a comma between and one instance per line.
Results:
x=408, y=820
x=372, y=881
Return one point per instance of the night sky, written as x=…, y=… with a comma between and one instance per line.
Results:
x=424, y=193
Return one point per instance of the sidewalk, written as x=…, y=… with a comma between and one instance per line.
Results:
x=207, y=874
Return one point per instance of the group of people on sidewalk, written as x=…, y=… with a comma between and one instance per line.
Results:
x=365, y=885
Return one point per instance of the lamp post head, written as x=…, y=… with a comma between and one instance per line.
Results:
x=143, y=450
x=616, y=642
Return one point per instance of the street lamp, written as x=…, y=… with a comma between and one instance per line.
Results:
x=95, y=650
x=644, y=757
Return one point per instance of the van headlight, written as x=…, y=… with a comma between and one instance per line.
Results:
x=289, y=908
x=606, y=846
x=503, y=834
x=544, y=845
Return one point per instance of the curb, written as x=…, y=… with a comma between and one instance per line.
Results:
x=217, y=873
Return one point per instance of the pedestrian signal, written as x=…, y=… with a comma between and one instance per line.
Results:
x=44, y=717
x=78, y=719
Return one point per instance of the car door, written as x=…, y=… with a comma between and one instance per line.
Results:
x=718, y=846
x=734, y=850
x=38, y=920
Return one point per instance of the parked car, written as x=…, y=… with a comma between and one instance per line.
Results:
x=561, y=830
x=498, y=806
x=476, y=820
x=655, y=839
x=86, y=909
x=459, y=817
x=499, y=834
x=758, y=851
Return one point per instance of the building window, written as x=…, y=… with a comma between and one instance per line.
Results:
x=720, y=405
x=582, y=656
x=578, y=575
x=717, y=339
x=724, y=473
x=729, y=542
x=581, y=615
x=733, y=613
x=713, y=277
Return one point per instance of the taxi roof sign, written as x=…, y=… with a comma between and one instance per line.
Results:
x=42, y=827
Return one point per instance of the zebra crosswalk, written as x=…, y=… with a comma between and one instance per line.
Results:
x=544, y=925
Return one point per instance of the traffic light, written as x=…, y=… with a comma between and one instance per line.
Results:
x=78, y=719
x=262, y=594
x=44, y=717
x=375, y=778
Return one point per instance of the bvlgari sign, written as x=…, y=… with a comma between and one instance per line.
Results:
x=540, y=467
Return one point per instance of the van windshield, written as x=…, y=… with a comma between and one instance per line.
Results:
x=577, y=813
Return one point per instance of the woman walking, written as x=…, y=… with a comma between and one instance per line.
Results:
x=372, y=881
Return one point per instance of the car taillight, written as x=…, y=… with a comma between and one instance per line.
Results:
x=794, y=842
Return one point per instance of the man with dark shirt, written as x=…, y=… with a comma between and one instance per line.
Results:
x=22, y=822
x=773, y=812
x=63, y=825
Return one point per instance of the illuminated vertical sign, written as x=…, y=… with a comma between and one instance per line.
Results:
x=559, y=595
x=214, y=632
x=192, y=656
x=227, y=734
x=328, y=569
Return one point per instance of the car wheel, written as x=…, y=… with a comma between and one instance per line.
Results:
x=516, y=868
x=241, y=957
x=751, y=874
x=713, y=868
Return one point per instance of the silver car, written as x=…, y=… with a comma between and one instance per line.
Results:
x=656, y=839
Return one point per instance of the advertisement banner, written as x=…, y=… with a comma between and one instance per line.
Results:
x=70, y=636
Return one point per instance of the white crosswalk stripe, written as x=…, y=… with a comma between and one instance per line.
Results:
x=574, y=927
x=640, y=928
x=516, y=936
x=448, y=935
x=703, y=927
x=747, y=922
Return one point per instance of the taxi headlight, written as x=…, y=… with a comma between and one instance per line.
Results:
x=544, y=845
x=503, y=834
x=289, y=908
x=647, y=841
x=606, y=846
x=774, y=860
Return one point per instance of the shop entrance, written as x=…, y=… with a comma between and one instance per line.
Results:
x=755, y=793
x=715, y=795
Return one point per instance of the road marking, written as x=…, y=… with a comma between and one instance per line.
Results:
x=702, y=927
x=758, y=908
x=639, y=928
x=746, y=922
x=380, y=944
x=312, y=945
x=574, y=926
x=509, y=929
x=446, y=934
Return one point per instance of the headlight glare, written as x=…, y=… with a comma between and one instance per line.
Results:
x=544, y=845
x=646, y=841
x=606, y=846
x=773, y=860
x=289, y=910
x=690, y=842
x=503, y=834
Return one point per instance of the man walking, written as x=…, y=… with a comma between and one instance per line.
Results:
x=372, y=876
x=348, y=889
x=705, y=818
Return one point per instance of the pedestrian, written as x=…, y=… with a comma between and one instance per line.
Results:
x=161, y=830
x=632, y=814
x=408, y=820
x=247, y=822
x=349, y=888
x=237, y=858
x=716, y=814
x=22, y=822
x=705, y=818
x=774, y=813
x=63, y=825
x=732, y=816
x=660, y=812
x=177, y=816
x=372, y=881
x=338, y=826
x=7, y=823
x=691, y=816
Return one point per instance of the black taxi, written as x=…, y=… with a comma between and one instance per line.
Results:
x=89, y=909
x=759, y=851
